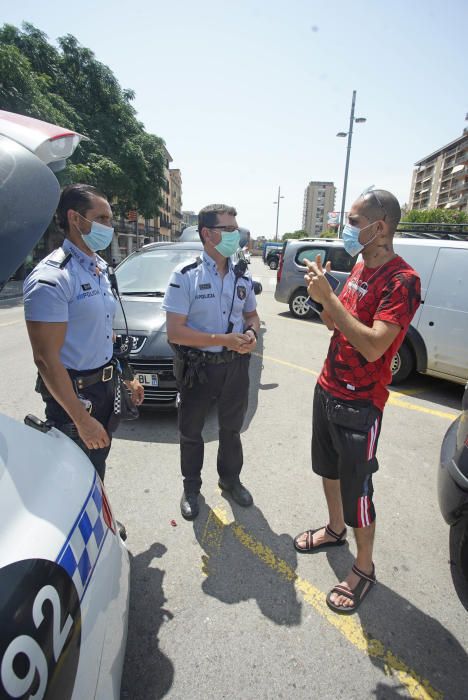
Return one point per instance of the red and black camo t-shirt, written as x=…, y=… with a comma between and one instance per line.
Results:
x=392, y=294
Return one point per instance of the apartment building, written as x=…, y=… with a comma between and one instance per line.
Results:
x=176, y=202
x=164, y=220
x=190, y=218
x=319, y=200
x=440, y=180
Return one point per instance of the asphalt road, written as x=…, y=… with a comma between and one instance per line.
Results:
x=224, y=607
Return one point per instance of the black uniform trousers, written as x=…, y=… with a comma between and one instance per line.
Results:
x=228, y=384
x=101, y=396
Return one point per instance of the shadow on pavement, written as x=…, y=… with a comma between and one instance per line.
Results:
x=431, y=390
x=148, y=674
x=408, y=634
x=233, y=575
x=161, y=426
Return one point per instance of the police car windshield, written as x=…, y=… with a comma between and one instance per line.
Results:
x=148, y=273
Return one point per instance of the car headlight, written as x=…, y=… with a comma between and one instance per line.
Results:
x=136, y=342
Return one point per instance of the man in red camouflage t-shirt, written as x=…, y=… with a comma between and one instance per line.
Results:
x=369, y=320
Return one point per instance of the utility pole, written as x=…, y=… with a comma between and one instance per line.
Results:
x=348, y=153
x=280, y=196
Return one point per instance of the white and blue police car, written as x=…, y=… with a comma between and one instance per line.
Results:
x=64, y=571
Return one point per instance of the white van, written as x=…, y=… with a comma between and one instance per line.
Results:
x=437, y=340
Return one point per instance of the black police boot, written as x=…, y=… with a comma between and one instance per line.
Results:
x=189, y=505
x=238, y=493
x=121, y=530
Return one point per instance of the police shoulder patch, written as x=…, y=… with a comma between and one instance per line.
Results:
x=241, y=292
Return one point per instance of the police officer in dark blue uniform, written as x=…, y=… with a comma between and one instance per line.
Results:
x=69, y=309
x=213, y=324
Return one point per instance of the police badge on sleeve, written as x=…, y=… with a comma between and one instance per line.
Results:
x=241, y=292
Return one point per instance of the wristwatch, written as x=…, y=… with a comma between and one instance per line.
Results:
x=251, y=328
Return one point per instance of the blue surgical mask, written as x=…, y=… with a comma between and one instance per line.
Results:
x=100, y=236
x=351, y=242
x=228, y=244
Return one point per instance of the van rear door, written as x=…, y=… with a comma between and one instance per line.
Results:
x=443, y=322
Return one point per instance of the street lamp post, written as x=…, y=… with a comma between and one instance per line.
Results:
x=349, y=134
x=280, y=196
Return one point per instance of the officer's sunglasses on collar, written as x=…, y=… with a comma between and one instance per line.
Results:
x=370, y=190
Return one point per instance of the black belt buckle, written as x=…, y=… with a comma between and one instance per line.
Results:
x=107, y=373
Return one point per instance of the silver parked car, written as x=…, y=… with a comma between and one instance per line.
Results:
x=290, y=285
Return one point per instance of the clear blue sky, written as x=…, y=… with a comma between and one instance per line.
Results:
x=249, y=95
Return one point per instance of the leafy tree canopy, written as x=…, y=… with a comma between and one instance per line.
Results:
x=435, y=216
x=68, y=86
x=295, y=234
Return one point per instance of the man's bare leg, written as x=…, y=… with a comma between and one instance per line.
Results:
x=365, y=543
x=331, y=488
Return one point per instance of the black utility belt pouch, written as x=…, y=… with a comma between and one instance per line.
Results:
x=179, y=368
x=358, y=417
x=41, y=388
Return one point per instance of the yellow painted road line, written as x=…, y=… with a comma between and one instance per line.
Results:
x=407, y=392
x=391, y=401
x=286, y=364
x=421, y=409
x=350, y=628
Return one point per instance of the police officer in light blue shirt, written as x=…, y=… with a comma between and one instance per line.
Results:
x=213, y=325
x=69, y=309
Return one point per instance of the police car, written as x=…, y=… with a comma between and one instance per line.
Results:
x=64, y=571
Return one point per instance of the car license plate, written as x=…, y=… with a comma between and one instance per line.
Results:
x=148, y=379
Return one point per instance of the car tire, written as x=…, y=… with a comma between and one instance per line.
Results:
x=458, y=548
x=273, y=264
x=297, y=305
x=402, y=364
x=463, y=553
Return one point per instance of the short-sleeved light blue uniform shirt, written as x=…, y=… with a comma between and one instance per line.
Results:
x=199, y=292
x=76, y=294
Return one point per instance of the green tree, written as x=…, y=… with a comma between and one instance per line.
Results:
x=68, y=86
x=435, y=216
x=295, y=234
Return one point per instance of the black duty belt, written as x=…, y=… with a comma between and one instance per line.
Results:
x=218, y=358
x=105, y=374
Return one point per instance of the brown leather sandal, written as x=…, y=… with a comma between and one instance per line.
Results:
x=357, y=594
x=340, y=539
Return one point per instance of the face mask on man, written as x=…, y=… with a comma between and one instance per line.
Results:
x=229, y=243
x=100, y=236
x=351, y=242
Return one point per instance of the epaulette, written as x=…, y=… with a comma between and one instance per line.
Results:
x=60, y=259
x=192, y=266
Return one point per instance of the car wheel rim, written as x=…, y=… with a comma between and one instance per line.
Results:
x=396, y=363
x=299, y=306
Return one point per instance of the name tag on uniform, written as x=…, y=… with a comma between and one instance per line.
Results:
x=205, y=286
x=86, y=287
